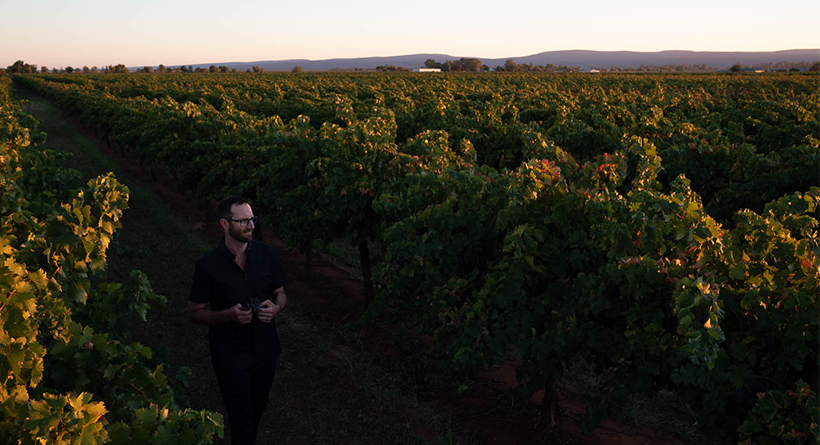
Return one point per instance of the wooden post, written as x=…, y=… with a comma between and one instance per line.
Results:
x=550, y=403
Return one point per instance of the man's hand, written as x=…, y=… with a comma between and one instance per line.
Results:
x=267, y=310
x=236, y=314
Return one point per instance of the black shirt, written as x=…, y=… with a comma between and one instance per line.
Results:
x=219, y=281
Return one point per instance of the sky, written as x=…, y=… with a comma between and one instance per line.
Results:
x=60, y=33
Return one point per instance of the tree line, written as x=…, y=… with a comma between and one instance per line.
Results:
x=21, y=67
x=462, y=65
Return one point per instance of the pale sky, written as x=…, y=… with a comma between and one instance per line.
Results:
x=59, y=33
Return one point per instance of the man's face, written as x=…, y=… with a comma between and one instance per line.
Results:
x=235, y=229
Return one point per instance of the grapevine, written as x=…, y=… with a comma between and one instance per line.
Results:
x=63, y=379
x=663, y=227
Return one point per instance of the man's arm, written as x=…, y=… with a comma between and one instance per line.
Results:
x=280, y=300
x=270, y=309
x=200, y=314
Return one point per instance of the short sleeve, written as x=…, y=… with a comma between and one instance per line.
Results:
x=201, y=287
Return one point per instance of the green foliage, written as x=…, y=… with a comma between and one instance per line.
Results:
x=62, y=382
x=65, y=420
x=154, y=425
x=787, y=417
x=663, y=227
x=111, y=306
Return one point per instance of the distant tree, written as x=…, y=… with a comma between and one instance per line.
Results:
x=69, y=69
x=815, y=67
x=510, y=65
x=21, y=67
x=200, y=70
x=183, y=68
x=468, y=64
x=736, y=67
x=161, y=68
x=86, y=70
x=297, y=69
x=212, y=69
x=233, y=70
x=223, y=69
x=393, y=69
x=463, y=64
x=94, y=69
x=430, y=63
x=54, y=71
x=44, y=69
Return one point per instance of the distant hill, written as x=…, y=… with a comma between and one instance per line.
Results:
x=581, y=58
x=625, y=59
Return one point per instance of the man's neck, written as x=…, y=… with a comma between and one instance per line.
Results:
x=237, y=248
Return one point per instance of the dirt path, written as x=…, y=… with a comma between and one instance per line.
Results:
x=327, y=389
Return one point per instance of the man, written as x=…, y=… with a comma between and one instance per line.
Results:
x=237, y=291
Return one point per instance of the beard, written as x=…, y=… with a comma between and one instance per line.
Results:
x=243, y=235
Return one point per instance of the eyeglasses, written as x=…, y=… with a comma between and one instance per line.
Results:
x=244, y=222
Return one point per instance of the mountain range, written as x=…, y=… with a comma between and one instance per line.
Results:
x=585, y=59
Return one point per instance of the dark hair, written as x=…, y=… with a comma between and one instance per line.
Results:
x=223, y=210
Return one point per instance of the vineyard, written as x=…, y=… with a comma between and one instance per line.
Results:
x=67, y=377
x=660, y=227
